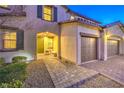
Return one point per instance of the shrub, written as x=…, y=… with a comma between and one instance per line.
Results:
x=19, y=59
x=2, y=60
x=16, y=71
x=12, y=84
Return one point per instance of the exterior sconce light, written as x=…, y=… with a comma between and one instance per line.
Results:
x=108, y=34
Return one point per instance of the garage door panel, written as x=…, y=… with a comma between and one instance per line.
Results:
x=112, y=47
x=88, y=49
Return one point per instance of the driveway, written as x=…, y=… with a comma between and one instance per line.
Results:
x=51, y=72
x=112, y=68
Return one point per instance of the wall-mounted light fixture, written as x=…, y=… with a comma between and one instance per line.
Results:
x=108, y=34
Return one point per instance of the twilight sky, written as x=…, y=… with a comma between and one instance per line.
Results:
x=103, y=13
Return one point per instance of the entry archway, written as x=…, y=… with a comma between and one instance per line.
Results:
x=47, y=44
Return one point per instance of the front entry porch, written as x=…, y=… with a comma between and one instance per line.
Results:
x=47, y=45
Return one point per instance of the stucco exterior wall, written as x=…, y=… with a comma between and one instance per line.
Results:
x=111, y=32
x=31, y=26
x=3, y=10
x=69, y=42
x=114, y=30
x=83, y=29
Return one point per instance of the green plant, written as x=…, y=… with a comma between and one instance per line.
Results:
x=16, y=71
x=19, y=59
x=2, y=60
x=12, y=84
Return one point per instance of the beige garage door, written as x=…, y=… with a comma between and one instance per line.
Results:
x=112, y=47
x=88, y=49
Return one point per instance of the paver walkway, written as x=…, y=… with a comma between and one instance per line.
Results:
x=112, y=68
x=50, y=72
x=38, y=76
x=67, y=75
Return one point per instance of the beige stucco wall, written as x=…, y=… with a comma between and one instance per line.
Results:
x=69, y=42
x=31, y=26
x=112, y=31
x=0, y=40
x=83, y=29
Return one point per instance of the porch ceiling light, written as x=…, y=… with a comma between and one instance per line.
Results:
x=46, y=34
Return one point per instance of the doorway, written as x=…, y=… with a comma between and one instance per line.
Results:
x=47, y=45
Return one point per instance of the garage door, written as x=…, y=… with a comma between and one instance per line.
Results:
x=112, y=47
x=88, y=49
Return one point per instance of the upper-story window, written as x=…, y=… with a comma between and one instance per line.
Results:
x=47, y=13
x=5, y=6
x=9, y=40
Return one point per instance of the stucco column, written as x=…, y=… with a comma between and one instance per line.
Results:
x=121, y=45
x=103, y=46
x=98, y=48
x=78, y=48
x=59, y=42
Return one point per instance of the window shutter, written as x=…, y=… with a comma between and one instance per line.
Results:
x=39, y=11
x=20, y=40
x=55, y=14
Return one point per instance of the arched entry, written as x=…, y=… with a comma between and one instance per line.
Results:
x=47, y=44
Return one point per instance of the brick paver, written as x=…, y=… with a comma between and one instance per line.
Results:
x=112, y=68
x=100, y=81
x=67, y=75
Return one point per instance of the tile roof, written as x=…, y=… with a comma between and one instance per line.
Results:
x=80, y=15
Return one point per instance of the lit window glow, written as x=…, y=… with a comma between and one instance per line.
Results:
x=4, y=6
x=9, y=40
x=47, y=13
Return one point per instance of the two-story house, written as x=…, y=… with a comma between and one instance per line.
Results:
x=35, y=31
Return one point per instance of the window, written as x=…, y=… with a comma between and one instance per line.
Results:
x=47, y=13
x=5, y=6
x=50, y=43
x=9, y=40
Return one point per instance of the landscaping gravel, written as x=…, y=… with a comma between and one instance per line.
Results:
x=38, y=76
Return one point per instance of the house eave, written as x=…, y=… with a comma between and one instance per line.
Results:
x=80, y=22
x=71, y=21
x=112, y=24
x=77, y=14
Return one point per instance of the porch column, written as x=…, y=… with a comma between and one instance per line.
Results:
x=59, y=42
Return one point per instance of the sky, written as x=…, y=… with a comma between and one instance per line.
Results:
x=104, y=13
